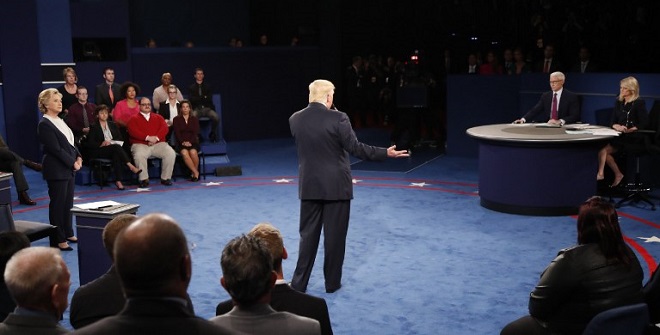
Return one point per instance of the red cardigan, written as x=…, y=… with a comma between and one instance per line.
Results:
x=139, y=128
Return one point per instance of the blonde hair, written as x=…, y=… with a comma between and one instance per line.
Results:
x=68, y=70
x=319, y=90
x=271, y=237
x=632, y=85
x=44, y=96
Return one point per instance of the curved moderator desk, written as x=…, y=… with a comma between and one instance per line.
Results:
x=535, y=170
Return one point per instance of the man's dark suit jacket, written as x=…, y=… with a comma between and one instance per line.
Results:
x=100, y=298
x=30, y=325
x=152, y=316
x=324, y=139
x=568, y=109
x=59, y=154
x=97, y=299
x=102, y=95
x=199, y=101
x=286, y=299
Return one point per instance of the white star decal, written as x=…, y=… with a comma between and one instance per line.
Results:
x=212, y=183
x=143, y=189
x=422, y=184
x=355, y=181
x=76, y=198
x=282, y=180
x=650, y=239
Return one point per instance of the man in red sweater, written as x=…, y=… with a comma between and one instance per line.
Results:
x=147, y=133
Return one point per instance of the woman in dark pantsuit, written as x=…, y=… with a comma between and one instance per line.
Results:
x=60, y=162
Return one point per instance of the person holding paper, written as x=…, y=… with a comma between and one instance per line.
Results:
x=558, y=106
x=105, y=141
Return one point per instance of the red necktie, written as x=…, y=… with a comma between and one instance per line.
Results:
x=112, y=96
x=553, y=111
x=546, y=67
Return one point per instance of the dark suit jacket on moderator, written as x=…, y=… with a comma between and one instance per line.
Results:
x=324, y=140
x=153, y=316
x=285, y=299
x=568, y=109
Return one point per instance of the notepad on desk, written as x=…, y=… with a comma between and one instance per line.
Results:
x=98, y=205
x=548, y=125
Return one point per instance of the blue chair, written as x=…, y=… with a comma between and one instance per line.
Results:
x=629, y=320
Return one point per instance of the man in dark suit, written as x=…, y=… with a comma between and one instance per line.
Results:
x=153, y=263
x=39, y=281
x=324, y=139
x=549, y=63
x=12, y=162
x=201, y=98
x=558, y=106
x=283, y=297
x=248, y=277
x=108, y=93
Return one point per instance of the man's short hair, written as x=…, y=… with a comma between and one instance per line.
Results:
x=319, y=90
x=31, y=273
x=149, y=254
x=112, y=229
x=272, y=240
x=247, y=269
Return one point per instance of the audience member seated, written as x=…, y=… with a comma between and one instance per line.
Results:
x=128, y=106
x=106, y=141
x=160, y=92
x=169, y=108
x=584, y=63
x=153, y=263
x=39, y=281
x=12, y=162
x=559, y=106
x=147, y=133
x=186, y=134
x=248, y=277
x=472, y=64
x=108, y=92
x=520, y=64
x=492, y=65
x=628, y=116
x=283, y=297
x=601, y=272
x=68, y=90
x=509, y=64
x=81, y=116
x=10, y=243
x=549, y=63
x=201, y=98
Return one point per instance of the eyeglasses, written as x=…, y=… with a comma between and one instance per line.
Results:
x=145, y=104
x=555, y=82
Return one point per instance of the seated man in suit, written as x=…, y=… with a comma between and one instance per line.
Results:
x=148, y=132
x=39, y=281
x=154, y=267
x=248, y=277
x=557, y=107
x=283, y=297
x=12, y=162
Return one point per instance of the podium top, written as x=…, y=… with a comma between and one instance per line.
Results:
x=103, y=210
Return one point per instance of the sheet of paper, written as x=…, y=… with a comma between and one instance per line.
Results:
x=97, y=204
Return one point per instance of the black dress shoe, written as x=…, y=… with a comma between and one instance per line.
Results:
x=144, y=183
x=33, y=165
x=166, y=182
x=67, y=248
x=24, y=199
x=71, y=240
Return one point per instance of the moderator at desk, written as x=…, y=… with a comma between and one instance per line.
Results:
x=535, y=169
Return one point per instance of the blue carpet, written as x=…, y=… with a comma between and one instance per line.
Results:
x=423, y=257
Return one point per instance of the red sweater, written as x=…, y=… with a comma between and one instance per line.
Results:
x=139, y=128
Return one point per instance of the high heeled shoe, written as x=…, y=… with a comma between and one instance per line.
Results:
x=120, y=188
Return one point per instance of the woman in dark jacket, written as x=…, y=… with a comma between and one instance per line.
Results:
x=598, y=274
x=104, y=141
